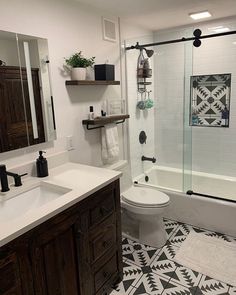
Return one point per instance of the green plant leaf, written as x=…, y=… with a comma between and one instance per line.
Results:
x=77, y=60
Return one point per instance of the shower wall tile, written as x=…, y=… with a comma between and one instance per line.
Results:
x=139, y=119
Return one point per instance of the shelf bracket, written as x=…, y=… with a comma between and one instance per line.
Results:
x=101, y=126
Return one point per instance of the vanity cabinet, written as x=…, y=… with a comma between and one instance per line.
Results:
x=77, y=252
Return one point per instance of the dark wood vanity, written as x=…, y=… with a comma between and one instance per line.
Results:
x=75, y=252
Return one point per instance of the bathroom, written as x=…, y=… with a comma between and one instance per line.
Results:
x=188, y=158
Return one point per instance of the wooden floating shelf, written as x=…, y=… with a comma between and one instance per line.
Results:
x=91, y=82
x=101, y=121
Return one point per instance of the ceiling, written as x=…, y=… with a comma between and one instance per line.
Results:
x=161, y=14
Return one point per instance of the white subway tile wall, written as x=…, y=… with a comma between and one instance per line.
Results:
x=139, y=119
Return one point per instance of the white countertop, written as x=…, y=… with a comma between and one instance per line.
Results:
x=82, y=180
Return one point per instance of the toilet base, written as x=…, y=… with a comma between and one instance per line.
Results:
x=152, y=231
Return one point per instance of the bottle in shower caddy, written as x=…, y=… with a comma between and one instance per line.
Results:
x=140, y=64
x=143, y=67
x=147, y=71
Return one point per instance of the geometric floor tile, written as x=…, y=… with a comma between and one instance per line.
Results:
x=122, y=288
x=209, y=286
x=141, y=257
x=175, y=289
x=163, y=266
x=168, y=251
x=178, y=237
x=186, y=277
x=232, y=291
x=131, y=272
x=186, y=228
x=150, y=284
x=151, y=271
x=170, y=226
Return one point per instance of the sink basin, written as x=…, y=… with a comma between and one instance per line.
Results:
x=30, y=199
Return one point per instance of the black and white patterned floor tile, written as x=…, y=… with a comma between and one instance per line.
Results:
x=150, y=283
x=186, y=277
x=163, y=265
x=152, y=271
x=175, y=289
x=170, y=226
x=168, y=250
x=232, y=291
x=138, y=254
x=211, y=286
x=132, y=274
x=182, y=231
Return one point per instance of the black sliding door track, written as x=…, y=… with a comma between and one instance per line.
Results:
x=189, y=192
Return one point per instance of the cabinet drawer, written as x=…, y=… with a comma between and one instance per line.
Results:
x=104, y=206
x=103, y=242
x=105, y=273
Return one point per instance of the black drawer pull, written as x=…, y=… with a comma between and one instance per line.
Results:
x=106, y=244
x=105, y=274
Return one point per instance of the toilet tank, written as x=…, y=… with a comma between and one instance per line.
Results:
x=124, y=167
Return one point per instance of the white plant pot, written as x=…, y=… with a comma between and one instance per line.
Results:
x=78, y=73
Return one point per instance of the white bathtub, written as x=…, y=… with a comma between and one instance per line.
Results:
x=172, y=179
x=213, y=214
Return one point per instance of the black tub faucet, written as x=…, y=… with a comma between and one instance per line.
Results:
x=4, y=181
x=153, y=160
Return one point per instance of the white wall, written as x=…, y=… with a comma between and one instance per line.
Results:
x=213, y=149
x=69, y=27
x=8, y=52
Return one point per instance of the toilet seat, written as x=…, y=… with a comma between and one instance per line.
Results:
x=145, y=197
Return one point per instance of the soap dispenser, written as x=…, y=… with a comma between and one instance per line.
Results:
x=42, y=165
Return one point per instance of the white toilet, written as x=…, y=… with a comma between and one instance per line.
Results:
x=147, y=205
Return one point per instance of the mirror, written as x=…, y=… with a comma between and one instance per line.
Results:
x=26, y=102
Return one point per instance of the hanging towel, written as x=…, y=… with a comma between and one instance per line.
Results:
x=110, y=144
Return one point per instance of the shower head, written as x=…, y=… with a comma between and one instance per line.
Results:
x=149, y=52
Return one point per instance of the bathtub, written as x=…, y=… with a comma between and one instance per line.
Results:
x=213, y=214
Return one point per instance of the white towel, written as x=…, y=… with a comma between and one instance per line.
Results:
x=110, y=144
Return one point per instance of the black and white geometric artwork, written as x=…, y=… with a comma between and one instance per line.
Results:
x=210, y=100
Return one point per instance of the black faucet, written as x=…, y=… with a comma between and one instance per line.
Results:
x=4, y=181
x=153, y=160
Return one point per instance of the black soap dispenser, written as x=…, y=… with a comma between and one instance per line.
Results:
x=42, y=165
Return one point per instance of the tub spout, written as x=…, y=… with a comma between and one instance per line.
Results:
x=153, y=160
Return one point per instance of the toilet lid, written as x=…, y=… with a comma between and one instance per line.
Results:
x=145, y=197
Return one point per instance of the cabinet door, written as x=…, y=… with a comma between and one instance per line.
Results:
x=54, y=262
x=10, y=282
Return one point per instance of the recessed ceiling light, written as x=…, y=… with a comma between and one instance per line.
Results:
x=219, y=29
x=200, y=15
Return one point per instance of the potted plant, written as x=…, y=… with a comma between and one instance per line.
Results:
x=78, y=64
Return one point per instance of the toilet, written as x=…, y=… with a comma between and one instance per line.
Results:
x=147, y=206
